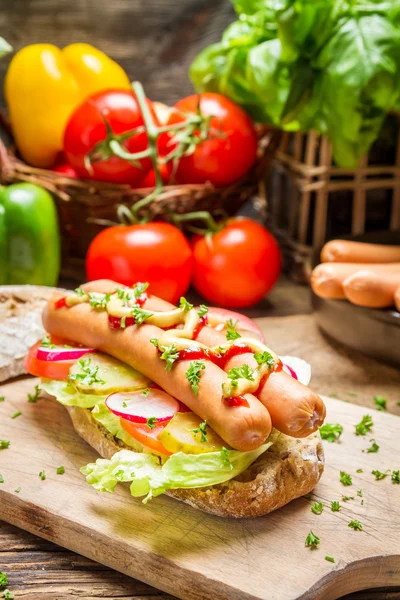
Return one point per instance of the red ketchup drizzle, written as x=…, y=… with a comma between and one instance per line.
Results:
x=61, y=302
x=202, y=323
x=115, y=322
x=236, y=401
x=275, y=369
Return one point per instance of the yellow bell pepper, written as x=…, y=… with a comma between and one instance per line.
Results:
x=44, y=85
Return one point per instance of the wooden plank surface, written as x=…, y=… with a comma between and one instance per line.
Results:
x=193, y=555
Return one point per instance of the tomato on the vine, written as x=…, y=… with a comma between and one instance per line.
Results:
x=86, y=128
x=231, y=149
x=155, y=252
x=238, y=265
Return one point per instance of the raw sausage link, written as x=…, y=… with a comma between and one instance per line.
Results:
x=371, y=289
x=344, y=251
x=327, y=279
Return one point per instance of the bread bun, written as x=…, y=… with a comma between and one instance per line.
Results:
x=290, y=468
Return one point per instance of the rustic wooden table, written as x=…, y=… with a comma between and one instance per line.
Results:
x=40, y=570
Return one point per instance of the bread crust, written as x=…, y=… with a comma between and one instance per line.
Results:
x=289, y=469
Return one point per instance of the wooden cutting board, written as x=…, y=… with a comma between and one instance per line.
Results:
x=193, y=555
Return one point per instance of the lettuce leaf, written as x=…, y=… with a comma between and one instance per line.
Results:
x=67, y=394
x=181, y=471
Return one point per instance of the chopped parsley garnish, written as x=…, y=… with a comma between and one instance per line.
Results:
x=154, y=341
x=360, y=471
x=3, y=580
x=146, y=392
x=364, y=426
x=34, y=397
x=317, y=508
x=124, y=404
x=98, y=300
x=225, y=458
x=329, y=558
x=140, y=315
x=356, y=525
x=16, y=414
x=312, y=540
x=1, y=478
x=7, y=595
x=89, y=374
x=345, y=478
x=331, y=432
x=203, y=310
x=351, y=394
x=122, y=323
x=236, y=373
x=374, y=447
x=395, y=477
x=379, y=475
x=126, y=296
x=4, y=444
x=170, y=355
x=42, y=475
x=380, y=402
x=80, y=292
x=359, y=493
x=2, y=398
x=202, y=429
x=335, y=506
x=151, y=422
x=347, y=498
x=263, y=358
x=46, y=342
x=185, y=305
x=139, y=288
x=60, y=470
x=194, y=373
x=231, y=333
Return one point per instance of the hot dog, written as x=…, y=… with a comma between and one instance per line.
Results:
x=327, y=279
x=294, y=408
x=243, y=428
x=373, y=290
x=344, y=251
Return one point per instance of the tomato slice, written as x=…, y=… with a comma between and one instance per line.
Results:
x=146, y=436
x=217, y=317
x=43, y=368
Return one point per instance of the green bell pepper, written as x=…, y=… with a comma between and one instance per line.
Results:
x=29, y=236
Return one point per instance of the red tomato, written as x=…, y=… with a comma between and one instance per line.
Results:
x=230, y=153
x=238, y=265
x=155, y=252
x=149, y=180
x=244, y=325
x=86, y=128
x=65, y=168
x=143, y=434
x=43, y=368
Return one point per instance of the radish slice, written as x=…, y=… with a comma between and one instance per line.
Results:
x=297, y=368
x=56, y=353
x=217, y=318
x=138, y=408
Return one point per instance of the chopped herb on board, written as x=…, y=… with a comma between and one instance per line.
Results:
x=2, y=398
x=34, y=397
x=359, y=493
x=4, y=444
x=3, y=579
x=312, y=540
x=329, y=558
x=360, y=471
x=1, y=479
x=356, y=525
x=60, y=470
x=380, y=402
x=16, y=414
x=7, y=595
x=364, y=426
x=347, y=498
x=331, y=432
x=317, y=508
x=335, y=506
x=345, y=478
x=379, y=475
x=374, y=447
x=395, y=477
x=17, y=491
x=42, y=475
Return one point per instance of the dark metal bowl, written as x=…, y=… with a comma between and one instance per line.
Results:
x=375, y=332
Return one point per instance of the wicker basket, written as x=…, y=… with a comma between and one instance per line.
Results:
x=81, y=202
x=313, y=200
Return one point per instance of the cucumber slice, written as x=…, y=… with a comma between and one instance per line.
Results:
x=97, y=373
x=178, y=435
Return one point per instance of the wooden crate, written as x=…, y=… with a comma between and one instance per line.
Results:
x=307, y=191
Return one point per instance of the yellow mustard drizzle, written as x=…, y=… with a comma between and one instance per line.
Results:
x=182, y=338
